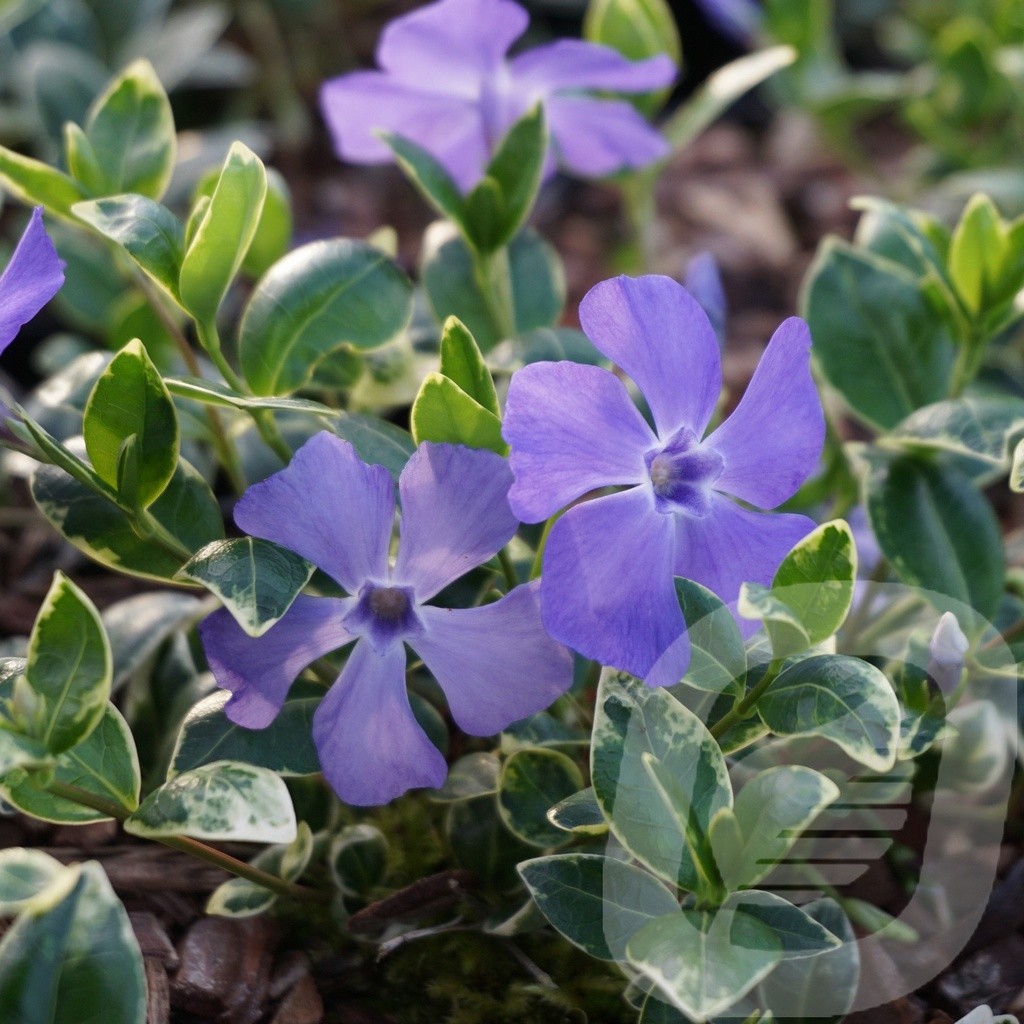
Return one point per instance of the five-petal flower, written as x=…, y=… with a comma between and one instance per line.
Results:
x=446, y=85
x=607, y=588
x=495, y=663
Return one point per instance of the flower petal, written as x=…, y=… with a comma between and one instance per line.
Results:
x=772, y=441
x=33, y=276
x=450, y=128
x=495, y=663
x=451, y=45
x=330, y=507
x=657, y=332
x=455, y=514
x=371, y=747
x=607, y=587
x=575, y=64
x=572, y=429
x=732, y=545
x=260, y=670
x=595, y=138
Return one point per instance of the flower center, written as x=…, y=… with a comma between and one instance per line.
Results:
x=682, y=473
x=385, y=616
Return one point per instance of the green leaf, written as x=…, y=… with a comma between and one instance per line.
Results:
x=816, y=579
x=358, y=859
x=770, y=813
x=131, y=131
x=130, y=399
x=105, y=764
x=976, y=252
x=787, y=633
x=537, y=284
x=224, y=801
x=876, y=337
x=473, y=775
x=531, y=782
x=24, y=874
x=499, y=204
x=718, y=659
x=463, y=364
x=151, y=234
x=64, y=691
x=223, y=235
x=800, y=934
x=34, y=183
x=842, y=699
x=71, y=956
x=978, y=428
x=319, y=297
x=256, y=580
x=579, y=813
x=211, y=392
x=598, y=903
x=703, y=961
x=187, y=509
x=238, y=897
x=285, y=746
x=429, y=177
x=444, y=412
x=376, y=441
x=481, y=842
x=82, y=161
x=937, y=531
x=1017, y=468
x=632, y=720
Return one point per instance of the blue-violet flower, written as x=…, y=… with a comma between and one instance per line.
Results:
x=447, y=86
x=607, y=588
x=495, y=663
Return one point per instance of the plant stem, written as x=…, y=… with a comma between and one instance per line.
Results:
x=745, y=704
x=508, y=570
x=538, y=559
x=493, y=275
x=193, y=847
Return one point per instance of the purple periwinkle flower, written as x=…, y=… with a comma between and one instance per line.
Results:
x=446, y=85
x=703, y=281
x=33, y=276
x=607, y=588
x=495, y=663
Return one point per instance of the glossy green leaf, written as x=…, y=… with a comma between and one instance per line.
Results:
x=71, y=956
x=285, y=746
x=256, y=580
x=224, y=801
x=105, y=764
x=444, y=412
x=376, y=441
x=769, y=814
x=598, y=903
x=130, y=399
x=1017, y=468
x=429, y=177
x=787, y=633
x=35, y=183
x=462, y=363
x=633, y=720
x=82, y=161
x=531, y=782
x=318, y=298
x=151, y=234
x=537, y=279
x=800, y=935
x=718, y=660
x=976, y=252
x=64, y=691
x=815, y=579
x=978, y=428
x=937, y=531
x=223, y=235
x=238, y=897
x=131, y=131
x=842, y=699
x=579, y=813
x=24, y=874
x=473, y=775
x=187, y=509
x=358, y=859
x=211, y=392
x=876, y=337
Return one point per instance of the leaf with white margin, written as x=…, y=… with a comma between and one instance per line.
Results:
x=842, y=699
x=769, y=814
x=221, y=801
x=24, y=874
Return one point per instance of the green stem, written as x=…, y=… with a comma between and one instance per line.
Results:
x=272, y=436
x=193, y=847
x=508, y=570
x=494, y=277
x=538, y=559
x=744, y=705
x=968, y=362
